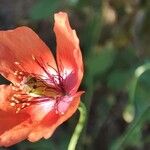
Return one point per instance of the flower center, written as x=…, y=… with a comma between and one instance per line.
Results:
x=35, y=89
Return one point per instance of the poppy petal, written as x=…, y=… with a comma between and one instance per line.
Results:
x=39, y=111
x=13, y=127
x=69, y=58
x=5, y=93
x=22, y=50
x=49, y=124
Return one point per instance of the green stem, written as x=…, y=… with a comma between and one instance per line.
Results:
x=79, y=127
x=130, y=130
x=138, y=73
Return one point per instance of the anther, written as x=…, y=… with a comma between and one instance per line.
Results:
x=19, y=77
x=16, y=101
x=33, y=57
x=21, y=73
x=16, y=63
x=16, y=73
x=23, y=105
x=16, y=95
x=16, y=84
x=12, y=99
x=14, y=88
x=17, y=110
x=12, y=104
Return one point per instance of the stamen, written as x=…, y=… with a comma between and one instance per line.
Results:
x=20, y=67
x=16, y=73
x=16, y=63
x=12, y=104
x=35, y=88
x=57, y=80
x=33, y=57
x=21, y=73
x=19, y=77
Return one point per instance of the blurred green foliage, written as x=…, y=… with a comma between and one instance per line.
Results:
x=114, y=38
x=43, y=9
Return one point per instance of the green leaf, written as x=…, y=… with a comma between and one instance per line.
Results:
x=119, y=79
x=42, y=144
x=99, y=63
x=91, y=32
x=142, y=96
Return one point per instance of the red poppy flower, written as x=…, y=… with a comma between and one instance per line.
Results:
x=43, y=93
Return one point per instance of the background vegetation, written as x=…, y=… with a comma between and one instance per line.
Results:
x=115, y=42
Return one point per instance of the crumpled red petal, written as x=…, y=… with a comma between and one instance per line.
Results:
x=33, y=123
x=49, y=124
x=69, y=58
x=13, y=127
x=17, y=49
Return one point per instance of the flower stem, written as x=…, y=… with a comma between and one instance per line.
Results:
x=122, y=140
x=79, y=127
